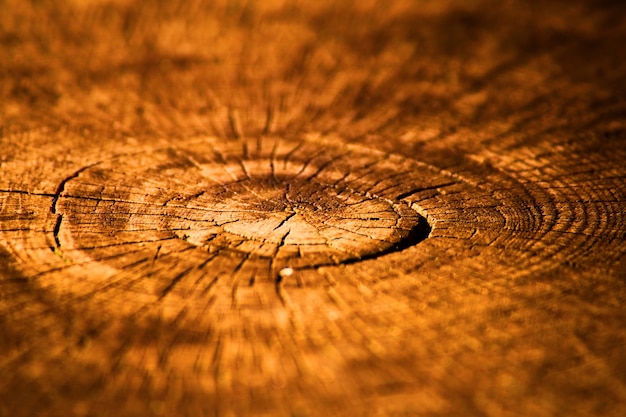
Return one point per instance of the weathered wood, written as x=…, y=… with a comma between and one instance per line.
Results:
x=330, y=208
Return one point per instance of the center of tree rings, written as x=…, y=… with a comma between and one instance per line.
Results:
x=301, y=222
x=294, y=204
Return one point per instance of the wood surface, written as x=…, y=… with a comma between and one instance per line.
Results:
x=312, y=208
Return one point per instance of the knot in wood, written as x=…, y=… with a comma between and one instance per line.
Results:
x=270, y=202
x=302, y=223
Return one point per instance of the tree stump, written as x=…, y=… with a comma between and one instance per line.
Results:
x=302, y=209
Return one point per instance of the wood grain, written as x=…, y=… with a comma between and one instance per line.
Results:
x=312, y=208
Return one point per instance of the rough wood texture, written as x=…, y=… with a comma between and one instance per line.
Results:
x=312, y=208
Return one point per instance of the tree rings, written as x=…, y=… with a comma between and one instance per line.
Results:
x=274, y=202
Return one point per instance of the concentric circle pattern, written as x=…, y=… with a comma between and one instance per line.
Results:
x=263, y=200
x=312, y=208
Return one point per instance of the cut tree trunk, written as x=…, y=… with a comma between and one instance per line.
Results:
x=312, y=208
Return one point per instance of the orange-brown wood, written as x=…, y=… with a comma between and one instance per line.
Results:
x=310, y=208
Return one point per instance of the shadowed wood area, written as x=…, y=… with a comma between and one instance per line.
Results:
x=312, y=208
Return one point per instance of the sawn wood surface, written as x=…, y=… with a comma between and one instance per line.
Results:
x=312, y=208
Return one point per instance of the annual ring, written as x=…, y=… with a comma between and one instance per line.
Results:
x=279, y=203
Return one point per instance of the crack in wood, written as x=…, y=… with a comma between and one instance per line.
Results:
x=251, y=241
